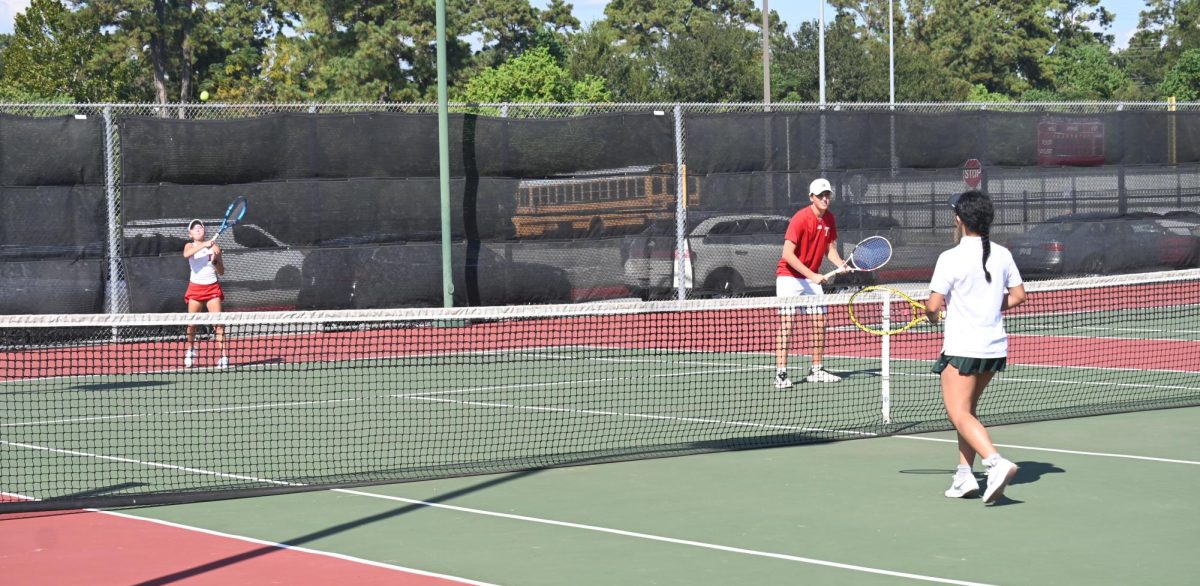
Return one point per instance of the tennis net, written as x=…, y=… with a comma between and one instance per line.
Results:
x=100, y=410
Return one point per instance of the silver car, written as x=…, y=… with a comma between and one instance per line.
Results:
x=726, y=256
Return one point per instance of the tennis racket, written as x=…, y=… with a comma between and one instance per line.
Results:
x=233, y=214
x=868, y=305
x=868, y=255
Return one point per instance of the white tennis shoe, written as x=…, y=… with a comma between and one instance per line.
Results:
x=781, y=380
x=963, y=486
x=998, y=477
x=188, y=355
x=222, y=362
x=818, y=374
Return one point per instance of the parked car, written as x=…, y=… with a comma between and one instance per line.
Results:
x=1181, y=249
x=1100, y=243
x=727, y=256
x=261, y=272
x=382, y=271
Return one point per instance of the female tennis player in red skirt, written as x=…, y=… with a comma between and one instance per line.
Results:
x=204, y=288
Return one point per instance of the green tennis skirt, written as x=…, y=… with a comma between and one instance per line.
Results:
x=967, y=365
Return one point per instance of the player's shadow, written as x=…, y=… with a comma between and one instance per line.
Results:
x=1029, y=472
x=855, y=373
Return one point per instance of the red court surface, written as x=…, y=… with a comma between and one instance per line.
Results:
x=84, y=547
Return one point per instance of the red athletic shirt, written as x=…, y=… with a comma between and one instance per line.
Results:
x=812, y=236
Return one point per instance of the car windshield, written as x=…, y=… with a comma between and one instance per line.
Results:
x=1054, y=229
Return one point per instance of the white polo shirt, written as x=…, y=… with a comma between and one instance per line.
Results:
x=974, y=327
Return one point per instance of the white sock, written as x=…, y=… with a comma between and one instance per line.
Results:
x=964, y=470
x=992, y=461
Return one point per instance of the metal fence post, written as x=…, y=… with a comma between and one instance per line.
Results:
x=118, y=298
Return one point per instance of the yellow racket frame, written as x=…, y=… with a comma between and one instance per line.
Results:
x=917, y=307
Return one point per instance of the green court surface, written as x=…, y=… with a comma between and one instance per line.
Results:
x=1098, y=500
x=277, y=425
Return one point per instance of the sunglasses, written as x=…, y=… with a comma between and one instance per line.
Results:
x=823, y=195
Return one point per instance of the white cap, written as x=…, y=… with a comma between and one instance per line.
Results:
x=819, y=186
x=193, y=223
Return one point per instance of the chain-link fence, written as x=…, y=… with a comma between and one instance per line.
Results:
x=561, y=202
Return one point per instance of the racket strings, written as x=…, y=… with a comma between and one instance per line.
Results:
x=871, y=314
x=872, y=254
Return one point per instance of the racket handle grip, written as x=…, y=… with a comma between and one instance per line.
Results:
x=836, y=271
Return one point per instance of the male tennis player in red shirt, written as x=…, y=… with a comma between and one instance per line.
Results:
x=811, y=237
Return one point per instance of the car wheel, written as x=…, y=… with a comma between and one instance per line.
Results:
x=1095, y=265
x=725, y=283
x=287, y=278
x=595, y=228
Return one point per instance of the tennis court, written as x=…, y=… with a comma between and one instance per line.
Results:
x=491, y=418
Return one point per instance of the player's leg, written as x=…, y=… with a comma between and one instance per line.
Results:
x=818, y=374
x=214, y=306
x=784, y=287
x=189, y=354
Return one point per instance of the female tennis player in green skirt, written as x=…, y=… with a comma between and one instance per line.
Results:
x=973, y=282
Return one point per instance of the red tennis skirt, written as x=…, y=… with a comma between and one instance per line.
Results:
x=202, y=293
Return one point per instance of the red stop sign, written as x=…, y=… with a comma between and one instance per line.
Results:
x=972, y=173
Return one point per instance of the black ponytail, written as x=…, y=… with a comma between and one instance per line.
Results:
x=976, y=212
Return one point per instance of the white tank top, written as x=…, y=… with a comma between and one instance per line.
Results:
x=203, y=271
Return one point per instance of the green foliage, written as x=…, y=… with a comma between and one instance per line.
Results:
x=599, y=51
x=1039, y=95
x=1183, y=79
x=980, y=93
x=998, y=44
x=641, y=51
x=1086, y=73
x=57, y=54
x=717, y=61
x=650, y=23
x=532, y=77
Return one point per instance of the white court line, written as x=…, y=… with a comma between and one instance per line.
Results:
x=275, y=544
x=659, y=538
x=413, y=395
x=1058, y=451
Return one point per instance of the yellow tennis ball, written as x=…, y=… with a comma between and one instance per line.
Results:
x=204, y=96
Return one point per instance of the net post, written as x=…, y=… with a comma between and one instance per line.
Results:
x=681, y=247
x=885, y=366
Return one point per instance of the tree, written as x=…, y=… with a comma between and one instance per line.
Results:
x=649, y=23
x=58, y=53
x=718, y=61
x=532, y=77
x=1183, y=79
x=507, y=28
x=558, y=17
x=794, y=67
x=366, y=50
x=999, y=44
x=599, y=51
x=856, y=63
x=1166, y=29
x=1086, y=72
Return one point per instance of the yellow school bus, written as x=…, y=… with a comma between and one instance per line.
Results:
x=611, y=201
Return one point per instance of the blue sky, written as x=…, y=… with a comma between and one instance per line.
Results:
x=792, y=11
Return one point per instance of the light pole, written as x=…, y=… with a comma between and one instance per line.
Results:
x=821, y=57
x=766, y=41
